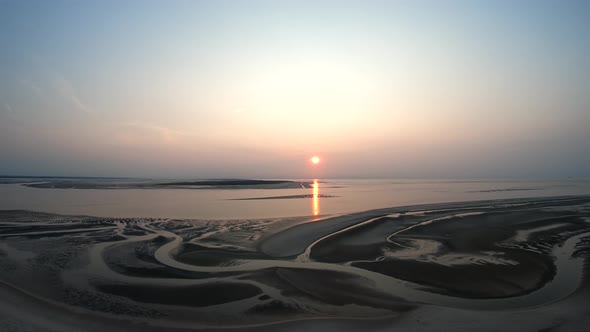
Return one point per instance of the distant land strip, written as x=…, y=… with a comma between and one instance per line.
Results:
x=225, y=183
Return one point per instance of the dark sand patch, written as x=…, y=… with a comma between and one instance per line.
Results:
x=193, y=296
x=339, y=288
x=471, y=281
x=203, y=256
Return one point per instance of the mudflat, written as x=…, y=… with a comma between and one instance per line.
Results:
x=511, y=265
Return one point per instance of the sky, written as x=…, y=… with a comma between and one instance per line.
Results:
x=253, y=89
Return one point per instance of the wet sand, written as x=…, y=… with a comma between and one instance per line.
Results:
x=101, y=183
x=511, y=265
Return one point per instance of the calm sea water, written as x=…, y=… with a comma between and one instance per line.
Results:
x=348, y=196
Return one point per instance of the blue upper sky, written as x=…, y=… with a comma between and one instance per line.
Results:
x=254, y=88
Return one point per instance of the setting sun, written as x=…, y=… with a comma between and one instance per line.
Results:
x=315, y=160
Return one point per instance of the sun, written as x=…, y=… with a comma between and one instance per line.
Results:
x=315, y=160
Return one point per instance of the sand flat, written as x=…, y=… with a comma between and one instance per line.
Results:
x=386, y=268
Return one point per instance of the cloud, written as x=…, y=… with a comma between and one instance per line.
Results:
x=33, y=87
x=57, y=86
x=8, y=108
x=67, y=91
x=166, y=133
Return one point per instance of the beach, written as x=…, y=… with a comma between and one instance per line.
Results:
x=508, y=264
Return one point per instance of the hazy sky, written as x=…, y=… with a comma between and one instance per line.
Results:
x=255, y=88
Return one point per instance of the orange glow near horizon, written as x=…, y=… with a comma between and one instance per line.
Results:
x=316, y=197
x=315, y=160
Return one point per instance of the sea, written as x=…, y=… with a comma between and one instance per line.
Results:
x=325, y=197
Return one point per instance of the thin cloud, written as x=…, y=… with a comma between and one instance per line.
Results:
x=33, y=87
x=165, y=132
x=67, y=91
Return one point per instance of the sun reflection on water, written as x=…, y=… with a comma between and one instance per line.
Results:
x=315, y=197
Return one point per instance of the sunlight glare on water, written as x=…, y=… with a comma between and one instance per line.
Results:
x=315, y=197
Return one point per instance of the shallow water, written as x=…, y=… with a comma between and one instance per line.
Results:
x=328, y=197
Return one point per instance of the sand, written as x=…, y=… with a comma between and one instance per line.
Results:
x=512, y=265
x=100, y=183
